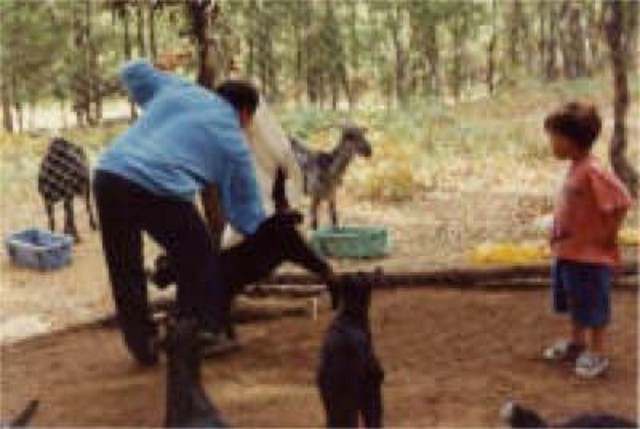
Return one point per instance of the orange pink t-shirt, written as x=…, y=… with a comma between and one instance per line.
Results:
x=588, y=214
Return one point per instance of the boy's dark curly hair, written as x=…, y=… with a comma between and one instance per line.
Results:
x=578, y=121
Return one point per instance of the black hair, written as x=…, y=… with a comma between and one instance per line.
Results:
x=240, y=94
x=579, y=122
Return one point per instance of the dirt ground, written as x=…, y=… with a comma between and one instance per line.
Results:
x=452, y=358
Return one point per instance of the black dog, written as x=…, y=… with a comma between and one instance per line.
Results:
x=350, y=376
x=64, y=173
x=276, y=241
x=187, y=402
x=517, y=416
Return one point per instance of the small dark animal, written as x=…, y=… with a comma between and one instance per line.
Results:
x=64, y=173
x=323, y=172
x=349, y=375
x=25, y=416
x=517, y=416
x=276, y=241
x=187, y=402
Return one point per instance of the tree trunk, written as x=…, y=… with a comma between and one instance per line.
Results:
x=142, y=46
x=299, y=65
x=400, y=77
x=153, y=48
x=456, y=72
x=198, y=14
x=7, y=117
x=127, y=54
x=516, y=28
x=551, y=66
x=88, y=73
x=5, y=95
x=432, y=52
x=618, y=53
x=491, y=49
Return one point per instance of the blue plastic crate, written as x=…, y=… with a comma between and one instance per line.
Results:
x=39, y=249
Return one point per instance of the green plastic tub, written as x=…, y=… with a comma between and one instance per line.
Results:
x=352, y=242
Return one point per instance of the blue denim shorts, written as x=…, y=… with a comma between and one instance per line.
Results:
x=582, y=289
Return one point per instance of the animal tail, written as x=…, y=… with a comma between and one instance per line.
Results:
x=26, y=415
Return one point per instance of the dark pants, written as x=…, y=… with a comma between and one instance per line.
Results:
x=125, y=211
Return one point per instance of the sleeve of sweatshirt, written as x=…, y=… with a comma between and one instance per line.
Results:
x=241, y=195
x=142, y=80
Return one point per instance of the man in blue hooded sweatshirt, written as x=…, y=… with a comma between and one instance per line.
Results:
x=187, y=139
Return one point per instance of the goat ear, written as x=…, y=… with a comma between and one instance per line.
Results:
x=293, y=217
x=278, y=193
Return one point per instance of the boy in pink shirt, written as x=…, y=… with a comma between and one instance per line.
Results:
x=587, y=216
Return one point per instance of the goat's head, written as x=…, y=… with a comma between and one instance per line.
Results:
x=64, y=149
x=354, y=137
x=351, y=293
x=59, y=145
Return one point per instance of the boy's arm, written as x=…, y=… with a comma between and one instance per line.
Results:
x=613, y=201
x=241, y=196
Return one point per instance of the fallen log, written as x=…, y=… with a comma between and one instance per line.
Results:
x=524, y=277
x=245, y=311
x=627, y=283
x=459, y=277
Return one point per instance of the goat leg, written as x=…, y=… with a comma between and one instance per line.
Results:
x=50, y=214
x=313, y=212
x=372, y=408
x=333, y=211
x=69, y=221
x=92, y=219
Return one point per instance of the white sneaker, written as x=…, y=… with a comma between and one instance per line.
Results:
x=590, y=365
x=563, y=351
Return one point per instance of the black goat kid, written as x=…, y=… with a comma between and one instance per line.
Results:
x=349, y=375
x=276, y=241
x=517, y=416
x=187, y=402
x=64, y=173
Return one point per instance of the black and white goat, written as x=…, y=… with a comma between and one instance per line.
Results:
x=323, y=171
x=64, y=173
x=349, y=375
x=276, y=241
x=188, y=404
x=517, y=416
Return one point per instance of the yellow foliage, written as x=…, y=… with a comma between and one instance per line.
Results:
x=390, y=175
x=510, y=253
